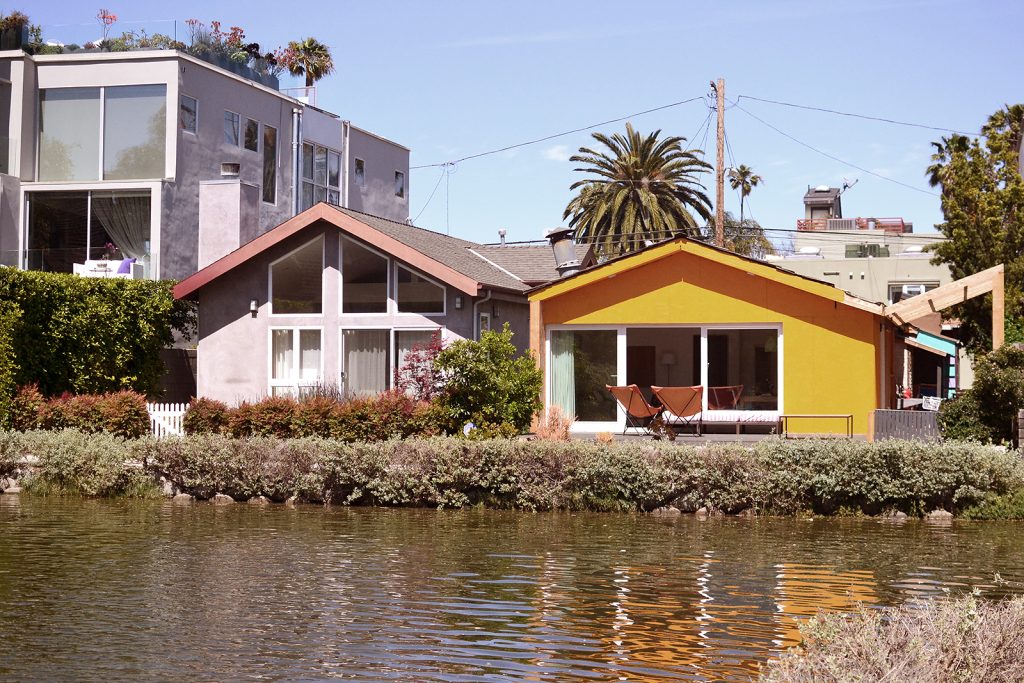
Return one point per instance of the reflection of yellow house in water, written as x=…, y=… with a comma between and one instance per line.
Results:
x=804, y=589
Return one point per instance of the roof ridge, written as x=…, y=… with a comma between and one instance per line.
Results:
x=345, y=209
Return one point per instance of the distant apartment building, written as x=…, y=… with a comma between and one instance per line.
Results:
x=167, y=159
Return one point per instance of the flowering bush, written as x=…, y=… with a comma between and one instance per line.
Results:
x=121, y=413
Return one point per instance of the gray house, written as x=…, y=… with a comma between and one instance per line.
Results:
x=338, y=297
x=145, y=155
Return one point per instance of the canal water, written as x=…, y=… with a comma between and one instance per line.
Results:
x=156, y=590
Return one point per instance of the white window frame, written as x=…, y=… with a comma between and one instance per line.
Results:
x=293, y=382
x=323, y=288
x=311, y=178
x=392, y=331
x=480, y=324
x=391, y=306
x=195, y=100
x=444, y=292
x=621, y=345
x=223, y=139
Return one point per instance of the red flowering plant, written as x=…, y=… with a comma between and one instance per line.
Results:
x=419, y=376
x=106, y=19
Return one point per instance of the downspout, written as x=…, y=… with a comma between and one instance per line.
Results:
x=476, y=313
x=345, y=127
x=296, y=160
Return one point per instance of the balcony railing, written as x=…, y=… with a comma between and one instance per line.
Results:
x=890, y=225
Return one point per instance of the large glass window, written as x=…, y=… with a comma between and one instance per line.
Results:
x=583, y=362
x=69, y=228
x=399, y=184
x=321, y=181
x=360, y=173
x=743, y=369
x=296, y=281
x=269, y=164
x=132, y=128
x=134, y=132
x=69, y=134
x=364, y=278
x=417, y=294
x=296, y=361
x=365, y=366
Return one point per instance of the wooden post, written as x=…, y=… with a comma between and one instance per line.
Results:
x=998, y=309
x=720, y=167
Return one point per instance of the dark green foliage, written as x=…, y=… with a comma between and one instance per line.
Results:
x=10, y=319
x=205, y=416
x=92, y=335
x=983, y=216
x=487, y=384
x=987, y=411
x=121, y=413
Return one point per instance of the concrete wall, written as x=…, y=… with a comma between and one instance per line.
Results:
x=382, y=158
x=233, y=349
x=869, y=278
x=227, y=217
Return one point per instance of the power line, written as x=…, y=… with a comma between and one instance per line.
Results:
x=856, y=116
x=835, y=158
x=444, y=172
x=559, y=135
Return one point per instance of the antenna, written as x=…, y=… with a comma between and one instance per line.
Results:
x=847, y=184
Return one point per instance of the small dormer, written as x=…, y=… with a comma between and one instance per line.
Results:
x=822, y=202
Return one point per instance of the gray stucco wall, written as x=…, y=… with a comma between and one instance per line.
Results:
x=233, y=349
x=382, y=158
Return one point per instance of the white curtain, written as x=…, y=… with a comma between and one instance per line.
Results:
x=126, y=219
x=309, y=355
x=282, y=353
x=366, y=361
x=562, y=371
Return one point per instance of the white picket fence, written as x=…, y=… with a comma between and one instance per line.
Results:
x=165, y=419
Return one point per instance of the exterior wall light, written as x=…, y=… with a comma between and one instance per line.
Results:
x=458, y=302
x=254, y=307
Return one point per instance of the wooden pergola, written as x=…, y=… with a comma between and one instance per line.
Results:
x=959, y=291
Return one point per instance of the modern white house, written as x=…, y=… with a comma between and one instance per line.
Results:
x=161, y=157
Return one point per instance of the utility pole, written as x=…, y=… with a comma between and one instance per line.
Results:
x=719, y=89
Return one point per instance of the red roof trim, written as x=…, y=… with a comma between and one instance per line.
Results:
x=347, y=224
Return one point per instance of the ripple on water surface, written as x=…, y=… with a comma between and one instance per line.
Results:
x=117, y=590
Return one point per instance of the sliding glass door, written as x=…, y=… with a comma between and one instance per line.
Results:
x=582, y=364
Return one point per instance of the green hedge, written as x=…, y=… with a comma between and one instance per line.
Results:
x=10, y=319
x=773, y=477
x=91, y=335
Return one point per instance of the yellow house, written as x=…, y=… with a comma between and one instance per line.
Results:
x=684, y=313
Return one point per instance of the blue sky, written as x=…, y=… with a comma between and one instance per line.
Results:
x=451, y=79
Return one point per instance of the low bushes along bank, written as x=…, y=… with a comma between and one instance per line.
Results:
x=962, y=639
x=773, y=477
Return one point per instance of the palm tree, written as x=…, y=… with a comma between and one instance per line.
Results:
x=744, y=179
x=311, y=59
x=645, y=188
x=945, y=150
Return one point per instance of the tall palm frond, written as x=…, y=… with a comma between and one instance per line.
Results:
x=310, y=58
x=641, y=188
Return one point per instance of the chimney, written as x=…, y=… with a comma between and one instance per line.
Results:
x=565, y=251
x=501, y=235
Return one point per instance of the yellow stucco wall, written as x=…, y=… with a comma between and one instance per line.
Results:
x=830, y=350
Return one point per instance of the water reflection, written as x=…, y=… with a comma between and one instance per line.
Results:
x=118, y=590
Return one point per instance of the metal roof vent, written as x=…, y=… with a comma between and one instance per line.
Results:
x=565, y=251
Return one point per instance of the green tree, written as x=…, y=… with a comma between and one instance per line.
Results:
x=744, y=237
x=487, y=383
x=983, y=212
x=744, y=179
x=641, y=188
x=310, y=58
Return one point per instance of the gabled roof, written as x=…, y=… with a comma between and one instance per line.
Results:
x=443, y=257
x=675, y=245
x=531, y=262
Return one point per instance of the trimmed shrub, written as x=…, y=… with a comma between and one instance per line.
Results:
x=92, y=335
x=10, y=319
x=987, y=411
x=71, y=462
x=27, y=408
x=961, y=639
x=10, y=454
x=487, y=384
x=122, y=413
x=205, y=416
